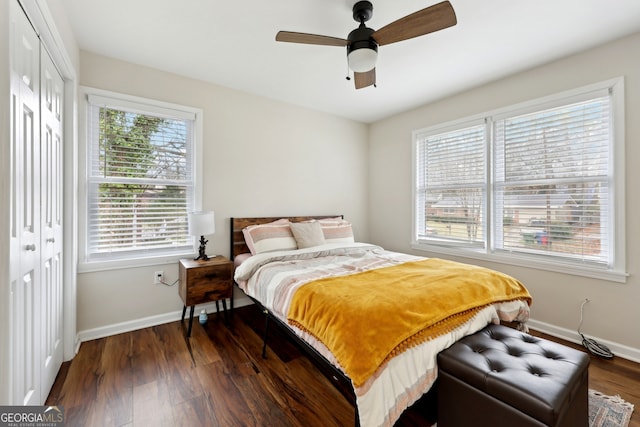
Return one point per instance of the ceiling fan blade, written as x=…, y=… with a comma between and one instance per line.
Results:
x=292, y=37
x=425, y=21
x=365, y=79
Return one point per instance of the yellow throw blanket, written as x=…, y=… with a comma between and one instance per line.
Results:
x=366, y=318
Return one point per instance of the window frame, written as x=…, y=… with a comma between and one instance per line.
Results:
x=616, y=271
x=458, y=125
x=144, y=106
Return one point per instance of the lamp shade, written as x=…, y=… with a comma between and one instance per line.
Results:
x=362, y=60
x=202, y=223
x=362, y=50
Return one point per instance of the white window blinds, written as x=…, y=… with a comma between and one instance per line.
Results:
x=552, y=175
x=451, y=185
x=530, y=184
x=140, y=179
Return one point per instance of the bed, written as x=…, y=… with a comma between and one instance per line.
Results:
x=374, y=319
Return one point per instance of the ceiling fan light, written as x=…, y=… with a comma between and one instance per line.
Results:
x=362, y=60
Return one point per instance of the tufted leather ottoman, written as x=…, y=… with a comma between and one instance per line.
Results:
x=503, y=377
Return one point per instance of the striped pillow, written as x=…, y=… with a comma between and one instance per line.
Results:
x=275, y=236
x=336, y=230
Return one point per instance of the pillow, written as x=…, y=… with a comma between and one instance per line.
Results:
x=274, y=236
x=336, y=230
x=239, y=259
x=307, y=234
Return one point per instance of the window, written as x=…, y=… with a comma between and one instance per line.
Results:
x=532, y=184
x=140, y=178
x=452, y=185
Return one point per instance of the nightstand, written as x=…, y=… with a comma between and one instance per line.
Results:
x=205, y=281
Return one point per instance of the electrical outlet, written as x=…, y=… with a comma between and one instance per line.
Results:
x=158, y=277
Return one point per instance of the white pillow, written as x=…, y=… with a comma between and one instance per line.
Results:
x=307, y=234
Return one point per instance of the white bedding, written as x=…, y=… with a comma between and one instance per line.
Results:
x=273, y=277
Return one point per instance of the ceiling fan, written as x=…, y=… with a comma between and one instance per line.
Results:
x=362, y=43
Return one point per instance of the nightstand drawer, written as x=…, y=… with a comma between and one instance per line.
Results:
x=218, y=275
x=204, y=281
x=209, y=284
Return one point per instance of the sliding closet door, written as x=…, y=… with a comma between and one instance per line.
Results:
x=51, y=92
x=25, y=208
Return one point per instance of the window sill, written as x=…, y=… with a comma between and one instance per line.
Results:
x=96, y=266
x=529, y=262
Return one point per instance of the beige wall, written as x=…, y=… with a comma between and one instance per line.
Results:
x=612, y=314
x=261, y=157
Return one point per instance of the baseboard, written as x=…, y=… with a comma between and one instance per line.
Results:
x=146, y=322
x=76, y=346
x=619, y=350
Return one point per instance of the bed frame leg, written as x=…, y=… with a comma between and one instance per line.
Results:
x=266, y=332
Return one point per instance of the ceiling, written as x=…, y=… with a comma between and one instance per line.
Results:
x=232, y=43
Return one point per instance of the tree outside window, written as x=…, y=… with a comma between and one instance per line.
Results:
x=140, y=182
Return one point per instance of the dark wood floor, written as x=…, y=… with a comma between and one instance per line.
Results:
x=155, y=376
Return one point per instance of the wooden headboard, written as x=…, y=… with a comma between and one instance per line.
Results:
x=239, y=246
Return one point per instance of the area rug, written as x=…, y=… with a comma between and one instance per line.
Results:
x=608, y=411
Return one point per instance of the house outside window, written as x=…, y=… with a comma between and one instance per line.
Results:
x=537, y=184
x=141, y=179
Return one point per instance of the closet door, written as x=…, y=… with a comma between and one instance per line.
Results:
x=26, y=292
x=51, y=92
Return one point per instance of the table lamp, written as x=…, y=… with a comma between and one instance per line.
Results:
x=202, y=224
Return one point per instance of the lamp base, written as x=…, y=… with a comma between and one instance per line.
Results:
x=202, y=250
x=205, y=258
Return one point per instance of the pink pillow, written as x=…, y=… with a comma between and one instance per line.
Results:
x=336, y=230
x=274, y=236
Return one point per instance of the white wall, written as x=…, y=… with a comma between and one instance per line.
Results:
x=5, y=156
x=612, y=315
x=262, y=158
